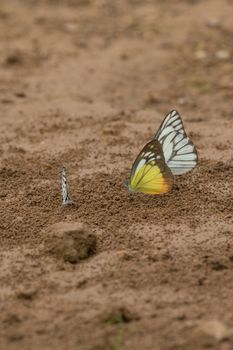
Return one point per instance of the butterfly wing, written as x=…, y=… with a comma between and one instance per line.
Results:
x=64, y=188
x=179, y=152
x=149, y=173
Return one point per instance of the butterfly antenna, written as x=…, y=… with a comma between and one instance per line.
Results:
x=64, y=188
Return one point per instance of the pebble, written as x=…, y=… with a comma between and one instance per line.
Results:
x=222, y=54
x=201, y=54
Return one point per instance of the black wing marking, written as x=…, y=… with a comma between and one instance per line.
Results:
x=179, y=152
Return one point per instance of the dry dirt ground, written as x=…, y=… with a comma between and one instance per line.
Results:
x=86, y=84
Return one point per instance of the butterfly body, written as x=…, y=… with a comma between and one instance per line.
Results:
x=169, y=153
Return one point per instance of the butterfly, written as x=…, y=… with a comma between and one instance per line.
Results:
x=169, y=153
x=64, y=188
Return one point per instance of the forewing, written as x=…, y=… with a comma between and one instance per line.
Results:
x=172, y=121
x=64, y=187
x=149, y=173
x=179, y=152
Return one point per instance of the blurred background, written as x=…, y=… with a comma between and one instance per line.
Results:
x=127, y=52
x=86, y=83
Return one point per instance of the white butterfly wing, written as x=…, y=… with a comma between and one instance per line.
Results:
x=64, y=188
x=179, y=152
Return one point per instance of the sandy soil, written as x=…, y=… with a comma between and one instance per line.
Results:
x=86, y=84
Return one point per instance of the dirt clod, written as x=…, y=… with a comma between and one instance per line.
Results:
x=71, y=241
x=26, y=293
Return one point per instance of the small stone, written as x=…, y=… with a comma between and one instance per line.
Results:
x=217, y=329
x=222, y=54
x=213, y=22
x=201, y=54
x=70, y=241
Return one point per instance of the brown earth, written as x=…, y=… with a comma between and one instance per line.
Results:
x=86, y=84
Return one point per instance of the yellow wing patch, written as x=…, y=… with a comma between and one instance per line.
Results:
x=149, y=173
x=151, y=180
